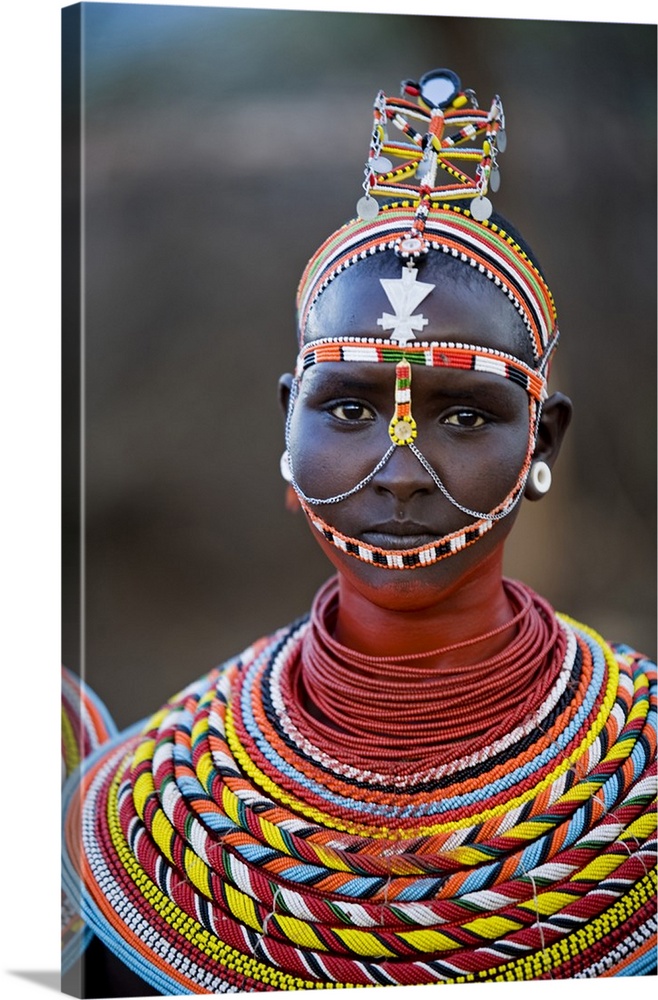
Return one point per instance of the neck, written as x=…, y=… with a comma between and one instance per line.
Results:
x=475, y=607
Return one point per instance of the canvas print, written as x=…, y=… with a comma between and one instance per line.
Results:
x=359, y=502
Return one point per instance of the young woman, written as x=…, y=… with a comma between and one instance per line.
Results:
x=432, y=777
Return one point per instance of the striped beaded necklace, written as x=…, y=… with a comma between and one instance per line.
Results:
x=225, y=850
x=355, y=692
x=86, y=724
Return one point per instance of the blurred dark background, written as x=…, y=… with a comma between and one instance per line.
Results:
x=219, y=147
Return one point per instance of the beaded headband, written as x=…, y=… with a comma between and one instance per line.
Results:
x=431, y=354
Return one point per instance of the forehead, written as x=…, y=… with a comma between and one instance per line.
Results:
x=463, y=305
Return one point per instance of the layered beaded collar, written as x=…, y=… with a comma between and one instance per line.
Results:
x=227, y=848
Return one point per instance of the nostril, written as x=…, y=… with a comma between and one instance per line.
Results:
x=403, y=476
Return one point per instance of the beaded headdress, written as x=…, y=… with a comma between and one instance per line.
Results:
x=433, y=204
x=429, y=203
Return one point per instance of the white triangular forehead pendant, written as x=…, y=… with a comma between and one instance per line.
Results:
x=405, y=294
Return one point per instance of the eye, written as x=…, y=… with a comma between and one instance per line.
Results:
x=352, y=410
x=467, y=419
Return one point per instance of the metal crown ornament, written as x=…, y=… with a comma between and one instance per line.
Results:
x=449, y=132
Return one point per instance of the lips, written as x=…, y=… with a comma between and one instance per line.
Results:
x=399, y=535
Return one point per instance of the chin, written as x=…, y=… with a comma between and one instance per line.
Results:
x=414, y=589
x=399, y=590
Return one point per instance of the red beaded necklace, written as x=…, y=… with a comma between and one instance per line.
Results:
x=387, y=709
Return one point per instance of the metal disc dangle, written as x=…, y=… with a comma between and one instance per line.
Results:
x=367, y=208
x=501, y=140
x=494, y=179
x=381, y=165
x=481, y=208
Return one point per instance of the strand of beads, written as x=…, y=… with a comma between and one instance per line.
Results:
x=354, y=693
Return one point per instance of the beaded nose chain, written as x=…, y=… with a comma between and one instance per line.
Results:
x=429, y=218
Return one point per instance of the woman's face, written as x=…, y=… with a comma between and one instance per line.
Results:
x=472, y=429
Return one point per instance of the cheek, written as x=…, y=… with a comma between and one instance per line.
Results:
x=478, y=469
x=327, y=461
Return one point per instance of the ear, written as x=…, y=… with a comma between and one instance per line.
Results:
x=555, y=418
x=285, y=386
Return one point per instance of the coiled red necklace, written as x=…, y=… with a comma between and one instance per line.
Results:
x=387, y=709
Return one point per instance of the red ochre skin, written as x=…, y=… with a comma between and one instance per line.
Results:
x=472, y=428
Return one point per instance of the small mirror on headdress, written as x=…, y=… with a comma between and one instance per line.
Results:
x=439, y=87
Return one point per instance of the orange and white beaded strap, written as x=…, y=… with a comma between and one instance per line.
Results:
x=432, y=354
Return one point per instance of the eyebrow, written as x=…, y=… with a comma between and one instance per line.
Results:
x=484, y=394
x=343, y=383
x=458, y=394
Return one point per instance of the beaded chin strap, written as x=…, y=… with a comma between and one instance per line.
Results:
x=428, y=220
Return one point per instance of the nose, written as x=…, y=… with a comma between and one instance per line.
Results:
x=403, y=476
